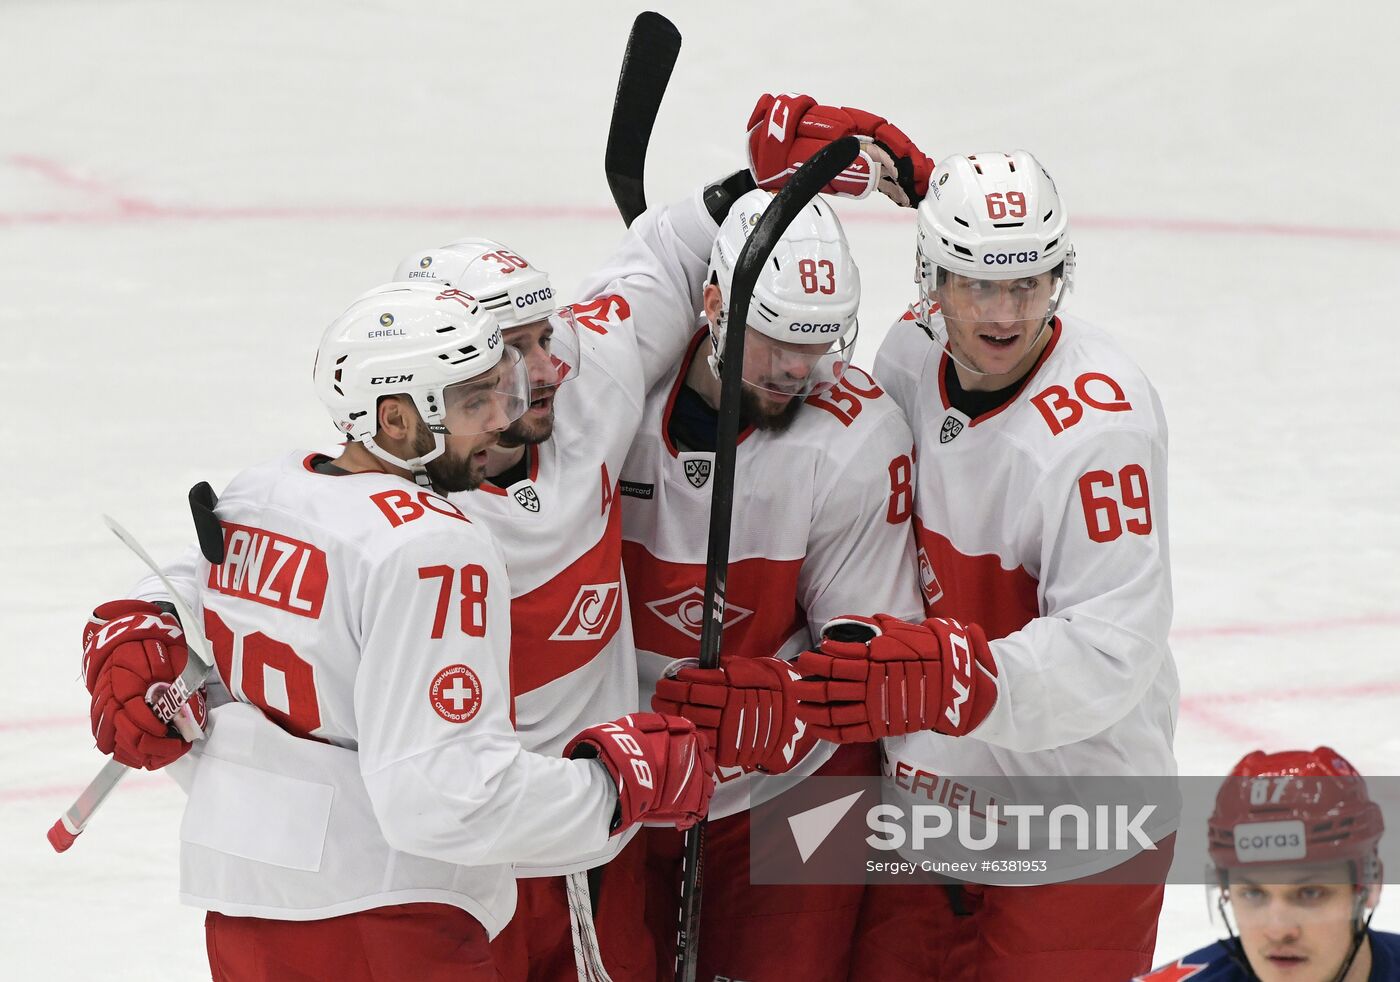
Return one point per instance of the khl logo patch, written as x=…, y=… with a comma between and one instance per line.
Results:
x=697, y=472
x=526, y=496
x=952, y=426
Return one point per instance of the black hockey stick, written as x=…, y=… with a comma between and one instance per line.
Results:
x=651, y=53
x=801, y=188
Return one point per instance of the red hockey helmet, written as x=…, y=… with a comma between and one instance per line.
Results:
x=1296, y=807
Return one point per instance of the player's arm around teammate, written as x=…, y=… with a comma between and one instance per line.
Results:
x=370, y=738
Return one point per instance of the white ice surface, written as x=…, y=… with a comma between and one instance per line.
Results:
x=190, y=191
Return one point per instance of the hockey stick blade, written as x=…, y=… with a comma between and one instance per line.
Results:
x=652, y=49
x=206, y=523
x=801, y=188
x=71, y=823
x=194, y=637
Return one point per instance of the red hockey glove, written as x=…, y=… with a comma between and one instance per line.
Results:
x=878, y=677
x=746, y=710
x=664, y=772
x=132, y=651
x=784, y=130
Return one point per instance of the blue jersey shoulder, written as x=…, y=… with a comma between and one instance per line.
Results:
x=1214, y=964
x=1385, y=956
x=1210, y=964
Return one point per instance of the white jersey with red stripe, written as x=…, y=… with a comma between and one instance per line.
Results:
x=573, y=662
x=572, y=657
x=362, y=626
x=1045, y=521
x=820, y=528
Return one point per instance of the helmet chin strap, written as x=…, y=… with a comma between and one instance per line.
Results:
x=945, y=342
x=715, y=358
x=417, y=465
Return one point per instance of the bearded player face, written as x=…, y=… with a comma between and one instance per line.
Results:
x=533, y=342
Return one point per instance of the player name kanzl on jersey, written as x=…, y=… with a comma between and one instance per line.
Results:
x=271, y=569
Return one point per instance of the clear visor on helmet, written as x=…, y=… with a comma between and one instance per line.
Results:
x=1265, y=905
x=1002, y=306
x=785, y=368
x=550, y=349
x=490, y=401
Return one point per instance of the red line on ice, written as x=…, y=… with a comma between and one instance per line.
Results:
x=147, y=782
x=1275, y=629
x=40, y=722
x=1222, y=723
x=56, y=172
x=126, y=209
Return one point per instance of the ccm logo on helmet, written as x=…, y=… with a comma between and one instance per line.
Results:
x=815, y=328
x=1007, y=258
x=534, y=297
x=390, y=379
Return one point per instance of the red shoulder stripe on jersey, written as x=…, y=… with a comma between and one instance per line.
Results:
x=1175, y=972
x=675, y=391
x=1055, y=332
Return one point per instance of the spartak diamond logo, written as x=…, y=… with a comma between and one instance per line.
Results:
x=591, y=613
x=686, y=612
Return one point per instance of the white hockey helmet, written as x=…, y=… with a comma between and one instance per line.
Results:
x=994, y=218
x=422, y=341
x=806, y=298
x=506, y=284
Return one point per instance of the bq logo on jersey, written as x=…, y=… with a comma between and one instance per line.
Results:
x=686, y=612
x=697, y=472
x=527, y=498
x=590, y=614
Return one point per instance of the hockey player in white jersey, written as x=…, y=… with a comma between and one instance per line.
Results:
x=358, y=805
x=1040, y=514
x=550, y=499
x=823, y=471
